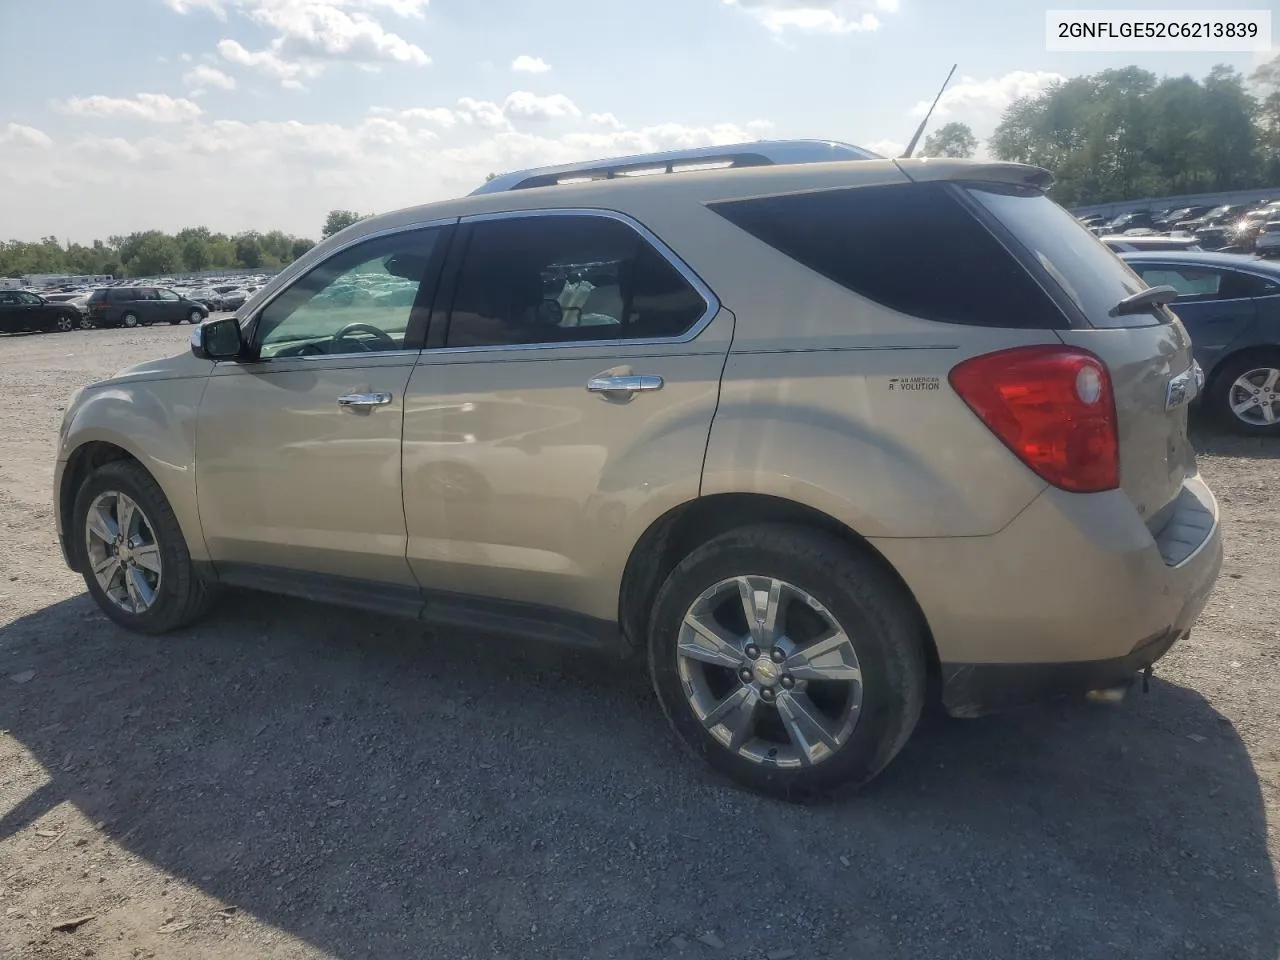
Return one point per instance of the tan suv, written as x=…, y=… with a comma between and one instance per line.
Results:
x=821, y=440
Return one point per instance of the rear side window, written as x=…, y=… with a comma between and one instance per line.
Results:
x=545, y=279
x=913, y=247
x=1089, y=274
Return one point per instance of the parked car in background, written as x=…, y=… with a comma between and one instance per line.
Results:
x=712, y=418
x=1138, y=219
x=1130, y=242
x=140, y=306
x=1267, y=243
x=21, y=310
x=1231, y=307
x=80, y=301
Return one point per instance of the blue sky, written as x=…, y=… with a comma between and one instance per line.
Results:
x=122, y=115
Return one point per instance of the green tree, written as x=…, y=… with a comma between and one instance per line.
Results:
x=153, y=254
x=249, y=250
x=300, y=246
x=339, y=220
x=951, y=140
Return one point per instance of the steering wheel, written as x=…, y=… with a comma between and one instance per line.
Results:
x=384, y=340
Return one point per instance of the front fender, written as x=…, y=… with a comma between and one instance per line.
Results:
x=152, y=421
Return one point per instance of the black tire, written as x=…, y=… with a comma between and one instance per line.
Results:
x=64, y=322
x=85, y=323
x=181, y=597
x=1219, y=395
x=128, y=319
x=871, y=606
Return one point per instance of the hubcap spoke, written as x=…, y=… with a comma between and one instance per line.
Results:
x=804, y=725
x=737, y=713
x=124, y=515
x=828, y=658
x=102, y=525
x=148, y=556
x=140, y=591
x=106, y=570
x=1244, y=405
x=704, y=640
x=1268, y=411
x=1270, y=384
x=761, y=600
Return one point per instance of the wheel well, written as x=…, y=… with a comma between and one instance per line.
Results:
x=83, y=461
x=679, y=532
x=1264, y=348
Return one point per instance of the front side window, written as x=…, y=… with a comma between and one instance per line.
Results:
x=360, y=300
x=567, y=279
x=28, y=298
x=169, y=295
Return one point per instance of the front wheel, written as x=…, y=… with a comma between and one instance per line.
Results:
x=64, y=323
x=194, y=317
x=131, y=551
x=128, y=320
x=85, y=323
x=1245, y=394
x=788, y=660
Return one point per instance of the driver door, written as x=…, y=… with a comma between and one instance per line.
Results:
x=298, y=445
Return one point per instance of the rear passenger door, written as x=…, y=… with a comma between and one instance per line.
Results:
x=1215, y=305
x=563, y=403
x=148, y=305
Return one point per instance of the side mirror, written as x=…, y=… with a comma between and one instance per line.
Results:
x=217, y=339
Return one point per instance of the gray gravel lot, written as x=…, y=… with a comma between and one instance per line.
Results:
x=290, y=780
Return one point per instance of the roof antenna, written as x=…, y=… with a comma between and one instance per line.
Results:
x=911, y=147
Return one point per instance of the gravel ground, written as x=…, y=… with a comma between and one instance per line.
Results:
x=289, y=780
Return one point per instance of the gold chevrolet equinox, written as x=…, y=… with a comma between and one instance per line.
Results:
x=820, y=436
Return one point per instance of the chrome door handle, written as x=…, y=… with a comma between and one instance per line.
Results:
x=624, y=384
x=364, y=400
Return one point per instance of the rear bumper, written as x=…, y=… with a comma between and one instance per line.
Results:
x=974, y=689
x=1074, y=594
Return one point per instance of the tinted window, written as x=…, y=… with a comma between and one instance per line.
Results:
x=8, y=297
x=360, y=300
x=914, y=247
x=168, y=295
x=1088, y=273
x=562, y=279
x=28, y=298
x=1206, y=283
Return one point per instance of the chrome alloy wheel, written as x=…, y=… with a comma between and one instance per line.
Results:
x=123, y=552
x=1255, y=397
x=769, y=672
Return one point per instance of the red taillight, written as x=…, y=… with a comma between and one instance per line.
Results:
x=1053, y=407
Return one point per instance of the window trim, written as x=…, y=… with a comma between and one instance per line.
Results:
x=709, y=299
x=249, y=323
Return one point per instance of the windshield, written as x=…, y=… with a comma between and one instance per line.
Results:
x=1086, y=270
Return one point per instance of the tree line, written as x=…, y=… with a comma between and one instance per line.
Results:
x=1126, y=134
x=151, y=253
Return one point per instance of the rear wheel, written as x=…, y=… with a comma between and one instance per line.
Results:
x=787, y=660
x=132, y=553
x=1245, y=394
x=128, y=319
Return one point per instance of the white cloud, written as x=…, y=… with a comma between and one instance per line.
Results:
x=886, y=148
x=325, y=31
x=216, y=7
x=817, y=16
x=982, y=101
x=284, y=174
x=529, y=106
x=155, y=107
x=20, y=135
x=760, y=127
x=269, y=63
x=185, y=57
x=527, y=64
x=605, y=120
x=482, y=113
x=440, y=116
x=202, y=78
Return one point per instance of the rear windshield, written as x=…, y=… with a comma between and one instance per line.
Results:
x=1088, y=273
x=915, y=248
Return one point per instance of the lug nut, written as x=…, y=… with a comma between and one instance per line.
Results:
x=745, y=674
x=767, y=695
x=752, y=651
x=787, y=682
x=777, y=655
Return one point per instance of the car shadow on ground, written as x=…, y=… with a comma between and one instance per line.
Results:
x=378, y=792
